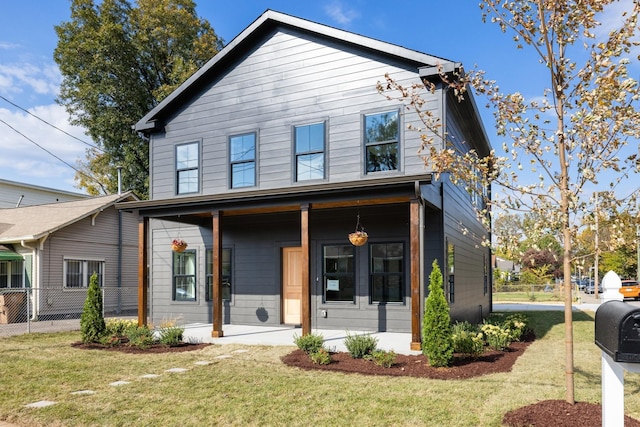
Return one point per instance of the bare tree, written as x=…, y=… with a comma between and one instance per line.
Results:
x=583, y=127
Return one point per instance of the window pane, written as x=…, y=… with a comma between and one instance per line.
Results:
x=74, y=273
x=339, y=273
x=382, y=157
x=185, y=288
x=4, y=271
x=243, y=175
x=381, y=127
x=188, y=181
x=310, y=166
x=17, y=269
x=187, y=156
x=184, y=276
x=226, y=274
x=310, y=138
x=243, y=148
x=387, y=277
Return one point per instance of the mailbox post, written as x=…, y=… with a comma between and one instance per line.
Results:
x=617, y=333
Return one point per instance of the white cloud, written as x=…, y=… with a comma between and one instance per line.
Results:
x=23, y=161
x=340, y=13
x=41, y=79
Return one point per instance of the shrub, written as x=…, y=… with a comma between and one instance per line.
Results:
x=383, y=358
x=360, y=346
x=117, y=327
x=309, y=343
x=171, y=335
x=320, y=357
x=437, y=344
x=92, y=326
x=496, y=336
x=140, y=336
x=467, y=339
x=517, y=324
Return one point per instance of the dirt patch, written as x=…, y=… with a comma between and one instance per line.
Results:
x=154, y=348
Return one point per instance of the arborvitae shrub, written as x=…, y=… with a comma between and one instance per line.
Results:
x=92, y=326
x=437, y=343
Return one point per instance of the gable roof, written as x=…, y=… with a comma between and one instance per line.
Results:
x=269, y=20
x=31, y=223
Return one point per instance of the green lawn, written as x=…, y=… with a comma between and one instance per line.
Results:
x=255, y=388
x=522, y=296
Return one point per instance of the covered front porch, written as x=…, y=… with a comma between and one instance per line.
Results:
x=309, y=210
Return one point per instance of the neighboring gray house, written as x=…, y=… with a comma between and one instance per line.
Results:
x=54, y=248
x=16, y=194
x=265, y=159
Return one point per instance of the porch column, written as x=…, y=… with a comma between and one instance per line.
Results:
x=306, y=284
x=216, y=302
x=414, y=251
x=143, y=272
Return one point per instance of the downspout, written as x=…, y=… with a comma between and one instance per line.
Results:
x=36, y=273
x=119, y=278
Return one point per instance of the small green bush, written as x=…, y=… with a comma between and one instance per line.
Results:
x=320, y=357
x=117, y=327
x=496, y=336
x=92, y=326
x=140, y=336
x=467, y=339
x=171, y=335
x=309, y=343
x=384, y=358
x=437, y=344
x=360, y=346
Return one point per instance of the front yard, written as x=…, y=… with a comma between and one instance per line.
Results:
x=248, y=385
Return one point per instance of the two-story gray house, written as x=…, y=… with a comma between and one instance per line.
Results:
x=271, y=154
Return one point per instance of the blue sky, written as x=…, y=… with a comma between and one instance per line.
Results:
x=29, y=77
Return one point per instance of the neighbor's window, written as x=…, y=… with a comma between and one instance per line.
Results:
x=187, y=167
x=11, y=273
x=184, y=276
x=243, y=160
x=339, y=275
x=381, y=141
x=78, y=272
x=309, y=149
x=387, y=272
x=226, y=274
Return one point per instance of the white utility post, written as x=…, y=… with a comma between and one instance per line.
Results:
x=612, y=371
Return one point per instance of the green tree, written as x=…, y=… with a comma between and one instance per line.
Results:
x=582, y=126
x=437, y=339
x=118, y=61
x=92, y=326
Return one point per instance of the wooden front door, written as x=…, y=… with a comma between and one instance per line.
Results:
x=292, y=285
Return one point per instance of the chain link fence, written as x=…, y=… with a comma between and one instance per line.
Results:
x=27, y=310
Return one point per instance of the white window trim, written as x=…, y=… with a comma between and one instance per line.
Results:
x=85, y=277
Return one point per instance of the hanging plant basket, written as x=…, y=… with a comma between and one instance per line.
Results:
x=178, y=245
x=358, y=237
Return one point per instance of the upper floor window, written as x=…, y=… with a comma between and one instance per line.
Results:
x=187, y=167
x=309, y=152
x=243, y=160
x=78, y=272
x=381, y=141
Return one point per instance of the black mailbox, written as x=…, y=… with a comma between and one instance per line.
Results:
x=618, y=331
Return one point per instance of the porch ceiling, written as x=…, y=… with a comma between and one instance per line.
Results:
x=198, y=209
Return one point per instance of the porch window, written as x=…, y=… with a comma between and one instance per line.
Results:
x=381, y=141
x=78, y=272
x=339, y=275
x=387, y=272
x=226, y=275
x=187, y=167
x=11, y=273
x=309, y=151
x=184, y=276
x=451, y=258
x=243, y=160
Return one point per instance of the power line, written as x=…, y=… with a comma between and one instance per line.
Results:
x=48, y=152
x=53, y=126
